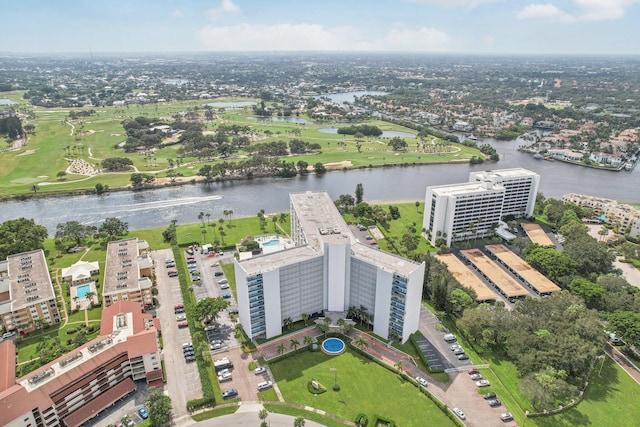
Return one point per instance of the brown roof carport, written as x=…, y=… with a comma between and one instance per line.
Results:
x=98, y=404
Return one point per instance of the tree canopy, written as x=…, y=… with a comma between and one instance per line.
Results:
x=209, y=309
x=158, y=407
x=20, y=235
x=113, y=228
x=73, y=231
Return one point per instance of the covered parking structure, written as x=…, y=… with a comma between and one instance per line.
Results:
x=495, y=275
x=522, y=270
x=537, y=235
x=465, y=276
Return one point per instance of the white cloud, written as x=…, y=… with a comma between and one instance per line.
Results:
x=455, y=3
x=583, y=11
x=226, y=7
x=315, y=37
x=534, y=11
x=176, y=14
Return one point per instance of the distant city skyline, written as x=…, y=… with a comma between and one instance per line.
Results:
x=577, y=27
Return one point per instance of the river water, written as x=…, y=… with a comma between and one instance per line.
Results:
x=154, y=208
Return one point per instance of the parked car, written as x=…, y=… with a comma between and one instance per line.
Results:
x=223, y=282
x=226, y=296
x=259, y=370
x=506, y=416
x=190, y=359
x=130, y=422
x=183, y=324
x=490, y=395
x=483, y=383
x=454, y=347
x=476, y=377
x=459, y=413
x=218, y=273
x=142, y=411
x=473, y=371
x=170, y=265
x=458, y=351
x=463, y=356
x=449, y=337
x=9, y=334
x=225, y=377
x=178, y=310
x=264, y=385
x=215, y=346
x=173, y=274
x=422, y=381
x=224, y=286
x=228, y=394
x=495, y=402
x=181, y=318
x=189, y=352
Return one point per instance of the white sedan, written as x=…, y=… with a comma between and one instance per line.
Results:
x=459, y=413
x=422, y=381
x=483, y=383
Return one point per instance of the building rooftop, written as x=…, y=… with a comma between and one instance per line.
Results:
x=273, y=261
x=384, y=260
x=320, y=219
x=523, y=268
x=506, y=173
x=537, y=234
x=495, y=273
x=80, y=270
x=466, y=188
x=30, y=282
x=121, y=271
x=465, y=276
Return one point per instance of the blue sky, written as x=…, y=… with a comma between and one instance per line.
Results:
x=574, y=27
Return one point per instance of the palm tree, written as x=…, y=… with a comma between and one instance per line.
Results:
x=298, y=422
x=200, y=217
x=208, y=215
x=398, y=365
x=361, y=343
x=281, y=348
x=294, y=343
x=305, y=318
x=307, y=340
x=263, y=414
x=287, y=322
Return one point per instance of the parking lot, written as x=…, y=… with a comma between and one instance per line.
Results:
x=183, y=383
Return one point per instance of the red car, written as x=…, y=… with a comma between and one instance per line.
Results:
x=473, y=371
x=183, y=324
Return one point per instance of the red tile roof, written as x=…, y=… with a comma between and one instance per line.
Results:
x=7, y=364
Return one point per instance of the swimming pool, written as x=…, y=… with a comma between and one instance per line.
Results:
x=272, y=243
x=83, y=290
x=333, y=346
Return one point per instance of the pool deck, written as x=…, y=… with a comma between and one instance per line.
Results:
x=81, y=303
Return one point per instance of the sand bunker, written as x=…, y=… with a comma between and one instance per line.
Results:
x=342, y=164
x=26, y=153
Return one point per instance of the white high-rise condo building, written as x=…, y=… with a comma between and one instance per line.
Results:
x=469, y=210
x=328, y=270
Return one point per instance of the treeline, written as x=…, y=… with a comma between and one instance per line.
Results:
x=82, y=113
x=139, y=133
x=366, y=130
x=117, y=164
x=11, y=127
x=423, y=130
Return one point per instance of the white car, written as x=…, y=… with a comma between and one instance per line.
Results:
x=259, y=370
x=181, y=318
x=264, y=385
x=224, y=286
x=226, y=376
x=483, y=383
x=459, y=413
x=422, y=381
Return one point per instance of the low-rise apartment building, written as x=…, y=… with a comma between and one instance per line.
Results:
x=127, y=272
x=27, y=298
x=610, y=211
x=76, y=387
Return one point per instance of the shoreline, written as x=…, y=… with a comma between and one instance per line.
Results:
x=90, y=191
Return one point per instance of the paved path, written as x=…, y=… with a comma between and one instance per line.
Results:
x=623, y=361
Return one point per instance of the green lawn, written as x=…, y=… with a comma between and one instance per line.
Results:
x=365, y=387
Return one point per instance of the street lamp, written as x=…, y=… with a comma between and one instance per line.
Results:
x=335, y=378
